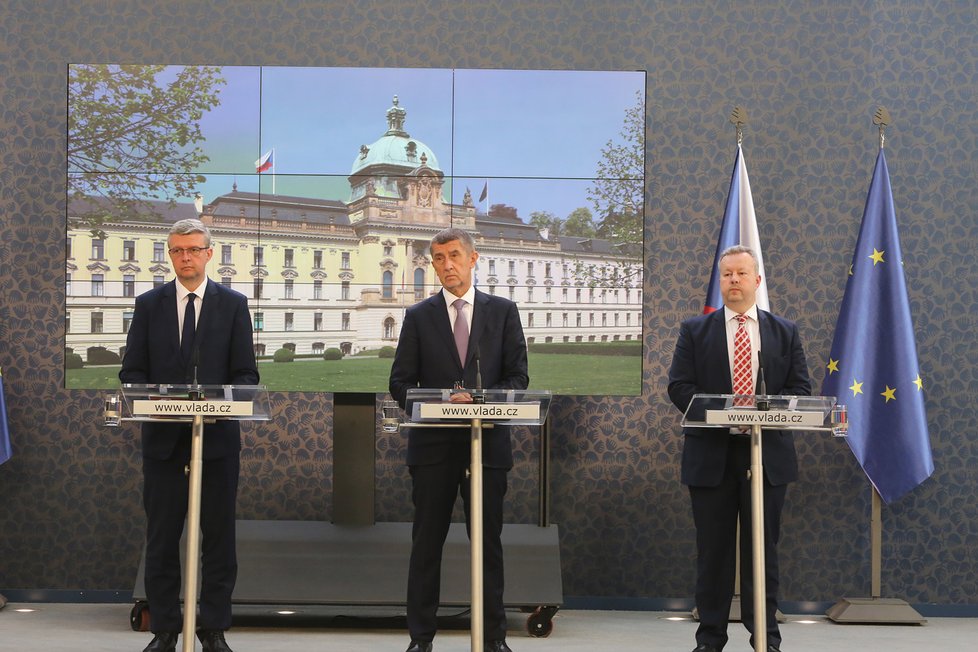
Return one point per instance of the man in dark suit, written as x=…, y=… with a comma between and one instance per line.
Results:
x=187, y=323
x=439, y=342
x=716, y=462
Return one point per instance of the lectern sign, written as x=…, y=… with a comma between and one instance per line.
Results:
x=489, y=411
x=183, y=408
x=772, y=418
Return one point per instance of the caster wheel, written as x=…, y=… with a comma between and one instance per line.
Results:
x=540, y=623
x=139, y=617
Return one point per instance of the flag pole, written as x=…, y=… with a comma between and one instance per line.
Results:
x=875, y=610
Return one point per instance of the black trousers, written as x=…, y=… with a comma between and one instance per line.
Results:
x=715, y=512
x=165, y=493
x=435, y=489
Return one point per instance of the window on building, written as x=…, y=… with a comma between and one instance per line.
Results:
x=512, y=293
x=591, y=295
x=418, y=284
x=317, y=289
x=259, y=318
x=258, y=286
x=579, y=322
x=317, y=259
x=289, y=288
x=226, y=281
x=563, y=295
x=129, y=250
x=98, y=249
x=259, y=350
x=578, y=300
x=259, y=256
x=529, y=293
x=512, y=268
x=126, y=320
x=290, y=321
x=389, y=326
x=492, y=290
x=317, y=321
x=546, y=270
x=318, y=347
x=492, y=267
x=97, y=324
x=591, y=319
x=548, y=294
x=67, y=322
x=68, y=284
x=345, y=291
x=128, y=285
x=529, y=320
x=345, y=260
x=159, y=249
x=529, y=269
x=549, y=320
x=98, y=285
x=290, y=257
x=225, y=254
x=388, y=285
x=628, y=319
x=616, y=318
x=158, y=281
x=68, y=248
x=345, y=321
x=565, y=320
x=388, y=250
x=604, y=319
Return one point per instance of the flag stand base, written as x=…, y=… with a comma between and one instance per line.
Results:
x=735, y=616
x=877, y=611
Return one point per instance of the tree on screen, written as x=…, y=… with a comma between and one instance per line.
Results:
x=617, y=194
x=134, y=136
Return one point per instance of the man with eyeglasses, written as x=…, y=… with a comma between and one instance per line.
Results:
x=190, y=328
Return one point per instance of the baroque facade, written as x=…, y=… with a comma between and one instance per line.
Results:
x=325, y=274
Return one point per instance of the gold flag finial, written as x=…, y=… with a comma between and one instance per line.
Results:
x=881, y=119
x=739, y=119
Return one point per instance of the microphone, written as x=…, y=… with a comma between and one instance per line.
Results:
x=762, y=403
x=478, y=396
x=195, y=394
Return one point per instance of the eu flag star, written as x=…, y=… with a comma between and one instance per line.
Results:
x=919, y=383
x=832, y=366
x=889, y=394
x=856, y=387
x=877, y=256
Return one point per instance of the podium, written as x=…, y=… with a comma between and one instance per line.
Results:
x=759, y=413
x=195, y=405
x=432, y=408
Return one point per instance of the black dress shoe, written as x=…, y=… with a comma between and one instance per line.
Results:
x=703, y=647
x=162, y=642
x=212, y=640
x=419, y=646
x=497, y=646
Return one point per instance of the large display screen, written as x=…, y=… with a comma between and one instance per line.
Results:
x=322, y=188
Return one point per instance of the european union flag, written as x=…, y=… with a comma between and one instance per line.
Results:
x=5, y=451
x=739, y=227
x=873, y=364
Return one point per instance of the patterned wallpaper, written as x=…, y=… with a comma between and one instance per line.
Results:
x=810, y=75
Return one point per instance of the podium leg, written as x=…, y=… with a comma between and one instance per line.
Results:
x=192, y=557
x=757, y=539
x=475, y=532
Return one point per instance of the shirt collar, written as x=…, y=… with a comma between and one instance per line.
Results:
x=469, y=296
x=729, y=314
x=182, y=292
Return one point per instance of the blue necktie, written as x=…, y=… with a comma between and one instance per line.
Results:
x=189, y=328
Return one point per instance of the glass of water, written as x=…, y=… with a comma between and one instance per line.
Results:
x=390, y=416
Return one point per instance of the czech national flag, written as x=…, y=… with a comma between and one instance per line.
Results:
x=265, y=162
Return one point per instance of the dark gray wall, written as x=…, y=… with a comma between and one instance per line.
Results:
x=810, y=74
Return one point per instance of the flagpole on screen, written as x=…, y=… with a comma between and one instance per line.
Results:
x=274, y=162
x=914, y=462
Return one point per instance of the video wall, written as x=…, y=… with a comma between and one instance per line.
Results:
x=322, y=188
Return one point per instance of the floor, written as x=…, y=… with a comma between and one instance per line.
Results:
x=105, y=627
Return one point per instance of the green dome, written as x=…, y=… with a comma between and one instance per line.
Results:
x=395, y=148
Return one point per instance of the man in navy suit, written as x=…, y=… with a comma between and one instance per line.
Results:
x=188, y=329
x=716, y=462
x=428, y=355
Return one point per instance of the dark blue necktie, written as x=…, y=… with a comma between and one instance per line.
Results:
x=189, y=317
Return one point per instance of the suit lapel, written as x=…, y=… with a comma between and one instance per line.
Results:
x=438, y=316
x=478, y=323
x=209, y=308
x=169, y=307
x=718, y=347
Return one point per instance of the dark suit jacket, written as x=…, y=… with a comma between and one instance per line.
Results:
x=226, y=356
x=700, y=365
x=426, y=357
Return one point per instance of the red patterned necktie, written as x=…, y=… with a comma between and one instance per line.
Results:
x=742, y=378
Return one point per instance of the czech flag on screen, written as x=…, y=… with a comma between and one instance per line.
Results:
x=265, y=162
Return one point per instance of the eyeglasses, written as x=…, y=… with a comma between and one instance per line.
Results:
x=177, y=252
